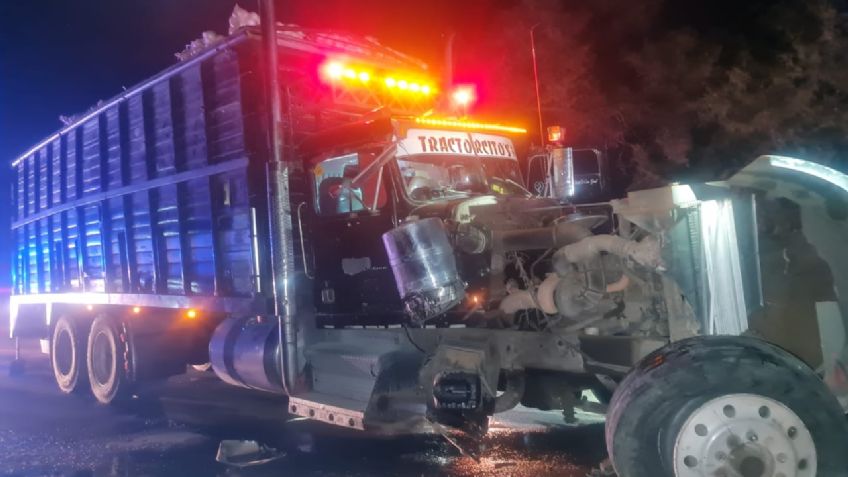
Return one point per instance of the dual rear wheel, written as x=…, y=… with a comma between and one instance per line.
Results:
x=91, y=355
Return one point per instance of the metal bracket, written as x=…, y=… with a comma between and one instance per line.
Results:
x=330, y=414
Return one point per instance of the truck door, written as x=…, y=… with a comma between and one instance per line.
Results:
x=354, y=283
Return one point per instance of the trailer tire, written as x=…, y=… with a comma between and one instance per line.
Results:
x=677, y=412
x=68, y=355
x=109, y=360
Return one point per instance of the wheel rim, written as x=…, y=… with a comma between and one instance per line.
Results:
x=744, y=435
x=63, y=353
x=102, y=359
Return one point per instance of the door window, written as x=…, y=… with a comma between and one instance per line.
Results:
x=334, y=193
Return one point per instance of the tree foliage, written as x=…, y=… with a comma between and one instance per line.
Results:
x=676, y=90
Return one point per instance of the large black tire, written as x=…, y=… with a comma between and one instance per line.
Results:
x=652, y=406
x=67, y=355
x=109, y=360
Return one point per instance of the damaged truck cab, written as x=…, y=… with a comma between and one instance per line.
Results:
x=387, y=268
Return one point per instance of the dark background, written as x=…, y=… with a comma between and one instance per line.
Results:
x=673, y=89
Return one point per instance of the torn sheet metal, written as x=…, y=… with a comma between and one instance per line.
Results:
x=238, y=453
x=241, y=18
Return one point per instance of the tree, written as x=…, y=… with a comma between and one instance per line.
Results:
x=676, y=91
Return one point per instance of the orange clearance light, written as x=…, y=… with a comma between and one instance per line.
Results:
x=425, y=89
x=403, y=84
x=364, y=76
x=89, y=307
x=464, y=95
x=415, y=87
x=350, y=73
x=390, y=82
x=460, y=124
x=191, y=313
x=555, y=133
x=136, y=309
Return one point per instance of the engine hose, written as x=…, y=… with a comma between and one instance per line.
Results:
x=571, y=296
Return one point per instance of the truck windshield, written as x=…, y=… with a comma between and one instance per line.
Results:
x=432, y=177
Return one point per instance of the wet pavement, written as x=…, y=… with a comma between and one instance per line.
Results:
x=173, y=429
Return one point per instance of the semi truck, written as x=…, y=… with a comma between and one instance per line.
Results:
x=303, y=214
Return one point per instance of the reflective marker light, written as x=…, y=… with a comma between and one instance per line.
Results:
x=459, y=124
x=89, y=307
x=136, y=309
x=191, y=313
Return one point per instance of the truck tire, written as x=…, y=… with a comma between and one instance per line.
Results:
x=108, y=360
x=724, y=405
x=68, y=355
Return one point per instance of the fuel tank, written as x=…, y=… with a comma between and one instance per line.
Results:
x=246, y=352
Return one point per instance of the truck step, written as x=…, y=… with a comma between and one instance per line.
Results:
x=344, y=369
x=331, y=409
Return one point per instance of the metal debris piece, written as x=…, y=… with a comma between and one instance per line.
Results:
x=241, y=18
x=238, y=453
x=207, y=39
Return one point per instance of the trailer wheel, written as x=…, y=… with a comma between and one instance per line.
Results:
x=68, y=355
x=725, y=406
x=108, y=360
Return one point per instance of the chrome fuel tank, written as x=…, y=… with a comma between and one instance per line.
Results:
x=246, y=352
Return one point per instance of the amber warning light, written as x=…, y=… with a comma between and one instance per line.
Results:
x=468, y=125
x=556, y=134
x=339, y=73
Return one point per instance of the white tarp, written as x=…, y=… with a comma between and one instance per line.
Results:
x=727, y=313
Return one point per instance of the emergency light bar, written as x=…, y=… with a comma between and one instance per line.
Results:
x=470, y=125
x=336, y=71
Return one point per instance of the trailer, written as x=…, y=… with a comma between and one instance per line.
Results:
x=297, y=215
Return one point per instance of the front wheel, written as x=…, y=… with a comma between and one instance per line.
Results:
x=725, y=406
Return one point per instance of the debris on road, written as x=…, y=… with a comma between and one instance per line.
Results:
x=239, y=453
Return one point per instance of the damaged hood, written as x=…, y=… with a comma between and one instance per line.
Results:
x=821, y=193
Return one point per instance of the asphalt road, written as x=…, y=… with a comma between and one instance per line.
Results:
x=174, y=428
